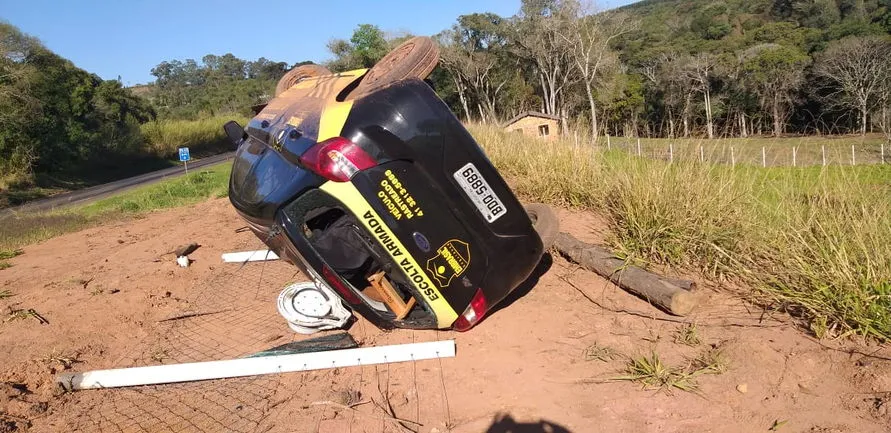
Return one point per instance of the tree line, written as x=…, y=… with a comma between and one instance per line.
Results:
x=217, y=85
x=54, y=115
x=657, y=68
x=678, y=67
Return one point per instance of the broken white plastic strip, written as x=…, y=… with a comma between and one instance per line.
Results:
x=249, y=256
x=174, y=373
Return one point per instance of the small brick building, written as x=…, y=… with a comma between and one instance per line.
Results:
x=535, y=124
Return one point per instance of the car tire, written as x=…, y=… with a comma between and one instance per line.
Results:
x=414, y=58
x=294, y=76
x=545, y=222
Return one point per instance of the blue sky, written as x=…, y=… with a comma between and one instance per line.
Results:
x=127, y=38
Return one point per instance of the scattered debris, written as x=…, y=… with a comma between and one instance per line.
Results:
x=174, y=373
x=337, y=341
x=5, y=294
x=182, y=261
x=596, y=352
x=711, y=361
x=673, y=296
x=777, y=424
x=688, y=335
x=185, y=250
x=190, y=314
x=63, y=360
x=21, y=314
x=742, y=388
x=249, y=256
x=310, y=307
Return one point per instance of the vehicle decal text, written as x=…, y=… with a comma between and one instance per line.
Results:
x=347, y=193
x=397, y=199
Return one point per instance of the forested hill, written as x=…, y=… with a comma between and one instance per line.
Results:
x=732, y=25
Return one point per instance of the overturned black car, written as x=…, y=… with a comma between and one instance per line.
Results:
x=368, y=183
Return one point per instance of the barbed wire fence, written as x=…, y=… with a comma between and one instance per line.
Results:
x=737, y=152
x=237, y=316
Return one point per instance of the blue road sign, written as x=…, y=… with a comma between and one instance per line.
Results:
x=184, y=154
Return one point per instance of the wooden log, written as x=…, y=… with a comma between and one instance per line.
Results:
x=672, y=295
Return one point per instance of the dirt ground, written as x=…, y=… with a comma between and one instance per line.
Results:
x=107, y=291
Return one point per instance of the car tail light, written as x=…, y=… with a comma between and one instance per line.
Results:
x=336, y=159
x=474, y=312
x=337, y=285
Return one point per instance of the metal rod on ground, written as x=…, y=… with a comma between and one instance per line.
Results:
x=763, y=157
x=187, y=166
x=823, y=150
x=249, y=256
x=174, y=373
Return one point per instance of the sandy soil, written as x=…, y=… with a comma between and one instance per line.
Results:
x=107, y=291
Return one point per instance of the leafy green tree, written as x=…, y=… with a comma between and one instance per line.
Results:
x=56, y=115
x=775, y=73
x=368, y=45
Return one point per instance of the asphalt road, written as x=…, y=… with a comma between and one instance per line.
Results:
x=86, y=195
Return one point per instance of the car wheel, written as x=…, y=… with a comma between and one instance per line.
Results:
x=414, y=58
x=294, y=76
x=545, y=223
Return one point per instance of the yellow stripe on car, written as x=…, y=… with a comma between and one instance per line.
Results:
x=334, y=116
x=347, y=193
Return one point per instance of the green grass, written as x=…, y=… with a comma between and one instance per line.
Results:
x=162, y=138
x=784, y=151
x=202, y=137
x=16, y=231
x=652, y=373
x=814, y=241
x=5, y=255
x=688, y=335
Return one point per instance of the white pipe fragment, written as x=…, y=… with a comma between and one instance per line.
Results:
x=249, y=256
x=188, y=372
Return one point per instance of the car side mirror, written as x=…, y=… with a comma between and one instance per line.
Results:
x=235, y=132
